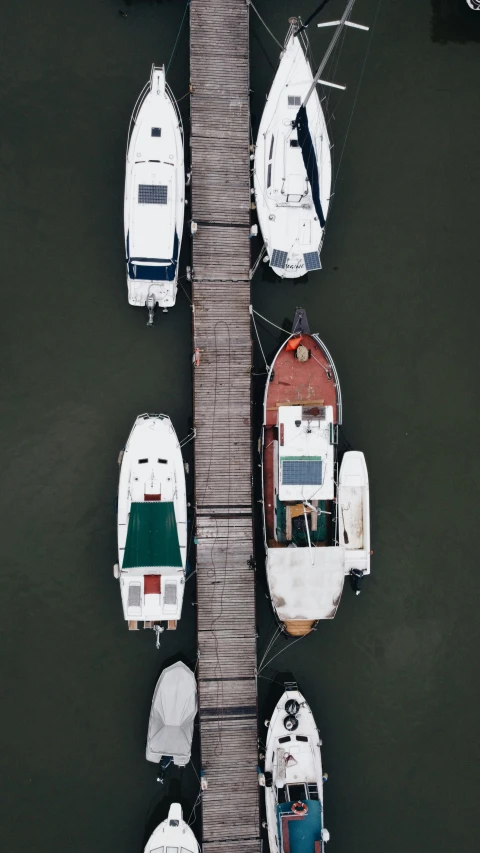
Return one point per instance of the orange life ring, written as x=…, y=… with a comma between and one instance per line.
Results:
x=299, y=808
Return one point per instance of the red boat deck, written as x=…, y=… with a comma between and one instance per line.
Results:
x=294, y=383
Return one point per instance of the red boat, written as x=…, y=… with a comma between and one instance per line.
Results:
x=302, y=412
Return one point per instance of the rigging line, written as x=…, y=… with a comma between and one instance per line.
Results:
x=358, y=89
x=269, y=321
x=264, y=24
x=259, y=342
x=312, y=16
x=178, y=36
x=284, y=648
x=270, y=644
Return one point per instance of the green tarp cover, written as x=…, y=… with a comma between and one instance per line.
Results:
x=152, y=538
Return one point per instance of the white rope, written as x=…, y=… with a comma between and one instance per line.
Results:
x=264, y=24
x=282, y=650
x=268, y=321
x=176, y=40
x=258, y=339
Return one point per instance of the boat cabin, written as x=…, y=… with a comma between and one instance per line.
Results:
x=304, y=462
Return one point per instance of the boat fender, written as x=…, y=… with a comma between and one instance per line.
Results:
x=299, y=808
x=197, y=357
x=293, y=343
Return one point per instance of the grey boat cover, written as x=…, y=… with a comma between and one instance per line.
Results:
x=174, y=706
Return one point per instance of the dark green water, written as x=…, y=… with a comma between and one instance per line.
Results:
x=393, y=681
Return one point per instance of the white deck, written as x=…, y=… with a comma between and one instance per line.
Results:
x=354, y=511
x=173, y=834
x=302, y=590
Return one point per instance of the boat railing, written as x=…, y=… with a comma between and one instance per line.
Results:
x=335, y=376
x=140, y=100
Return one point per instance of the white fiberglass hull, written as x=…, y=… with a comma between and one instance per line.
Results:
x=152, y=523
x=154, y=196
x=293, y=774
x=173, y=834
x=354, y=512
x=289, y=219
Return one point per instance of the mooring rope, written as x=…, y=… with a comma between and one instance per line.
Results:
x=178, y=36
x=264, y=24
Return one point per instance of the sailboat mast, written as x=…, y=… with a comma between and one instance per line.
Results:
x=329, y=50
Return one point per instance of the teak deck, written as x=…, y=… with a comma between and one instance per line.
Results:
x=219, y=75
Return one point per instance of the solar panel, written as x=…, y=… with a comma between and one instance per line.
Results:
x=152, y=194
x=279, y=259
x=312, y=261
x=302, y=472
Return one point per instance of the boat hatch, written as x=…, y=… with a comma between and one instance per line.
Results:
x=296, y=792
x=156, y=131
x=294, y=101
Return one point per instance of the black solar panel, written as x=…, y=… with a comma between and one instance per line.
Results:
x=312, y=261
x=302, y=472
x=279, y=259
x=152, y=194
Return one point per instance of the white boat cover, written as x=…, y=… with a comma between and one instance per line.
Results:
x=300, y=590
x=174, y=706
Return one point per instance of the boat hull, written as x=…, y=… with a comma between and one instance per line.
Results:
x=293, y=776
x=312, y=387
x=152, y=524
x=154, y=203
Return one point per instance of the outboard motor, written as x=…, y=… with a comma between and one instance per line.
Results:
x=164, y=765
x=151, y=308
x=356, y=577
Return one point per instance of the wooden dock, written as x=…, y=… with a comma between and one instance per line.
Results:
x=219, y=74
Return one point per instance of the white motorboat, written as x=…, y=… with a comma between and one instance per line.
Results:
x=152, y=525
x=154, y=196
x=293, y=169
x=354, y=513
x=170, y=727
x=293, y=778
x=173, y=835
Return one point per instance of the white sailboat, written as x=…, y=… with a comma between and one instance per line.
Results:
x=293, y=169
x=154, y=196
x=293, y=778
x=152, y=525
x=173, y=834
